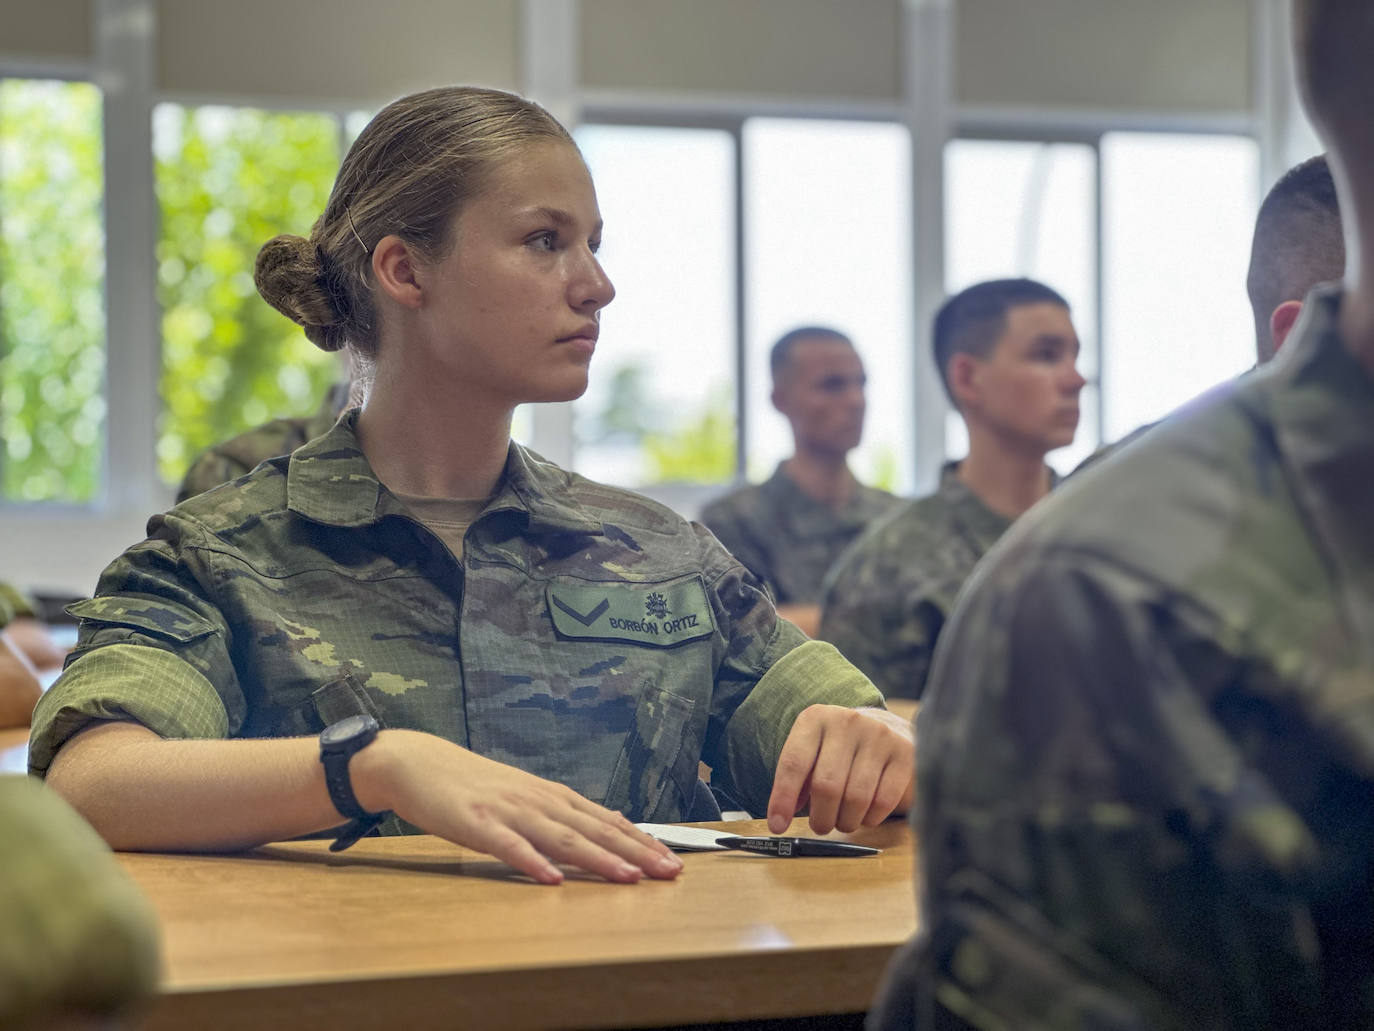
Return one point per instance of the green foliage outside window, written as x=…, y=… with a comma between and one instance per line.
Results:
x=693, y=447
x=52, y=269
x=229, y=179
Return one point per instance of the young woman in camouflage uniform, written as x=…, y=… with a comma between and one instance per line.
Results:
x=546, y=656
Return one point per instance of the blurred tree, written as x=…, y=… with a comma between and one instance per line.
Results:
x=52, y=271
x=229, y=179
x=700, y=449
x=673, y=446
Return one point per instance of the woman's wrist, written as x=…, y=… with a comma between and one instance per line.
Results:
x=375, y=770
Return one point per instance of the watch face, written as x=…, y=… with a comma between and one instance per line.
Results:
x=345, y=730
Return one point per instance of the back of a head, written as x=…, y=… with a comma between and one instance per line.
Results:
x=409, y=172
x=973, y=320
x=1333, y=43
x=781, y=354
x=1297, y=244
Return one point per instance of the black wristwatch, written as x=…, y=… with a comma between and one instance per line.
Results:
x=338, y=744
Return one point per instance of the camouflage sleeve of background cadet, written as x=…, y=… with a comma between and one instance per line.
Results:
x=879, y=620
x=13, y=604
x=151, y=649
x=1097, y=850
x=771, y=672
x=729, y=526
x=77, y=939
x=209, y=470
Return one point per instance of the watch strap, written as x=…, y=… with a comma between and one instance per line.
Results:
x=335, y=757
x=340, y=784
x=359, y=828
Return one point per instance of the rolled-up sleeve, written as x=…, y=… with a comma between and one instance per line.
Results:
x=812, y=673
x=153, y=648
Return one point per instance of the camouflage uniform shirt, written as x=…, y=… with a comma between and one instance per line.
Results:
x=1147, y=749
x=589, y=635
x=889, y=594
x=13, y=604
x=787, y=538
x=241, y=454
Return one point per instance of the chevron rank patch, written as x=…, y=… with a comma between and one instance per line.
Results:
x=661, y=615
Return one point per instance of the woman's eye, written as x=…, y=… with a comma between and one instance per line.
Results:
x=594, y=246
x=544, y=241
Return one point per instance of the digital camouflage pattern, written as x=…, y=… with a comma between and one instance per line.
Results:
x=787, y=538
x=241, y=454
x=589, y=636
x=77, y=939
x=1147, y=748
x=889, y=595
x=13, y=604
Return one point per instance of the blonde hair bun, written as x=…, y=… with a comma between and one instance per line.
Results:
x=289, y=276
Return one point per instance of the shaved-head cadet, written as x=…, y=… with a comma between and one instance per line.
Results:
x=790, y=529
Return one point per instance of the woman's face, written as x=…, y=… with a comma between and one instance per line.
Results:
x=511, y=311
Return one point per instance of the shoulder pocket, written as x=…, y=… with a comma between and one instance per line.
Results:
x=659, y=615
x=160, y=619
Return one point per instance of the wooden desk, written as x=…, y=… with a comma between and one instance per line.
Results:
x=903, y=707
x=416, y=933
x=14, y=750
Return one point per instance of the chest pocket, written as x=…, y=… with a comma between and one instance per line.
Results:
x=661, y=753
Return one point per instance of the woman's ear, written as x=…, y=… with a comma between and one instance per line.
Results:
x=394, y=268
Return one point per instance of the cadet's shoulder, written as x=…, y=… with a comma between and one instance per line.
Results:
x=883, y=545
x=273, y=438
x=1170, y=500
x=734, y=505
x=906, y=522
x=877, y=498
x=655, y=535
x=615, y=506
x=247, y=499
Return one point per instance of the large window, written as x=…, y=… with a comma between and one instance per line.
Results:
x=228, y=179
x=828, y=241
x=52, y=272
x=1178, y=215
x=660, y=407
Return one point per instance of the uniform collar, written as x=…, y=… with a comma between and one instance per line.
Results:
x=982, y=522
x=329, y=481
x=1321, y=402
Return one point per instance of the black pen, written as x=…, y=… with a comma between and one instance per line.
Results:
x=787, y=848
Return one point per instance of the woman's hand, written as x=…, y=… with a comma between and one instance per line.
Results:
x=855, y=767
x=515, y=816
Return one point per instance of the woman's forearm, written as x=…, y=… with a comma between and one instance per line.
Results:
x=146, y=793
x=143, y=792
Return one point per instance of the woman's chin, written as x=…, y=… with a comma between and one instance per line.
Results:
x=568, y=388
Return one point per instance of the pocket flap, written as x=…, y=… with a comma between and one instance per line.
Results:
x=159, y=618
